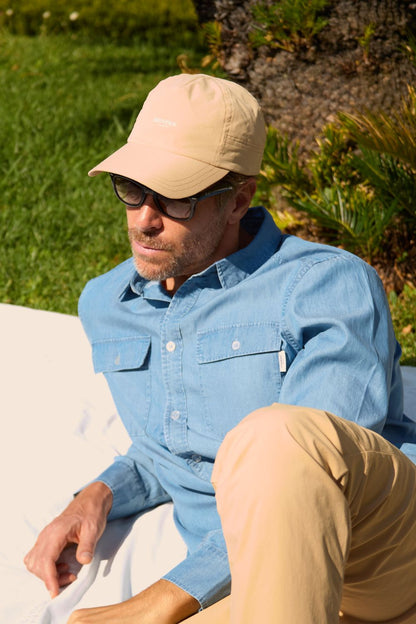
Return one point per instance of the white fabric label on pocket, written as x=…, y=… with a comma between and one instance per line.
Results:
x=282, y=361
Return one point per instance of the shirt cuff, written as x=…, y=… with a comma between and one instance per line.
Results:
x=204, y=574
x=133, y=490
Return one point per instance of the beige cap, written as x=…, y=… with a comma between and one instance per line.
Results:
x=192, y=130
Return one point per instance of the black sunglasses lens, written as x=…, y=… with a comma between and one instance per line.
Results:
x=129, y=192
x=177, y=208
x=134, y=194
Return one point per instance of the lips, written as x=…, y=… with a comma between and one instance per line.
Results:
x=146, y=250
x=146, y=245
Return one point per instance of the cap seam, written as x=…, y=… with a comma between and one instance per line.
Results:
x=244, y=142
x=221, y=148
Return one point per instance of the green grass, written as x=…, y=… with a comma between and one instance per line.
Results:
x=65, y=104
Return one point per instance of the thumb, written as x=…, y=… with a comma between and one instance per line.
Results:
x=86, y=546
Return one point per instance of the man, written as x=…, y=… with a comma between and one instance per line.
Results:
x=222, y=327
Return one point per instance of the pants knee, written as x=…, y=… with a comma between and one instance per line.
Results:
x=270, y=426
x=263, y=433
x=276, y=436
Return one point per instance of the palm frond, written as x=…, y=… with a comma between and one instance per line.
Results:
x=352, y=217
x=390, y=134
x=389, y=178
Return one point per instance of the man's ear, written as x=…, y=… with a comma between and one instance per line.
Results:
x=242, y=200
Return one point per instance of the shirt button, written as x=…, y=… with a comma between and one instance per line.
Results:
x=170, y=346
x=175, y=415
x=196, y=458
x=235, y=345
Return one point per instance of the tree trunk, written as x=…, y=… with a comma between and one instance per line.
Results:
x=302, y=90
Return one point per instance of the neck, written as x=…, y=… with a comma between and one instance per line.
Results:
x=172, y=284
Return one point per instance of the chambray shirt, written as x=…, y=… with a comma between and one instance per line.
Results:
x=282, y=320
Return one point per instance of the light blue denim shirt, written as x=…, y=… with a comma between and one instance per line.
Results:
x=282, y=320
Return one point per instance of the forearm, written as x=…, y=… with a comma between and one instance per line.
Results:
x=161, y=603
x=167, y=603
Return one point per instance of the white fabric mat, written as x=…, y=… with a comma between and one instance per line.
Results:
x=59, y=430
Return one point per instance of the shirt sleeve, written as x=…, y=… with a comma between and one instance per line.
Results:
x=205, y=574
x=134, y=487
x=337, y=319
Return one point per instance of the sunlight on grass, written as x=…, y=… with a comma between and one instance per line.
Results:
x=68, y=105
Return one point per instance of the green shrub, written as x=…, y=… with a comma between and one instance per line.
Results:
x=359, y=186
x=288, y=24
x=123, y=20
x=403, y=311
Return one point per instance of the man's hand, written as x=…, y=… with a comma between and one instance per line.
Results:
x=81, y=523
x=161, y=603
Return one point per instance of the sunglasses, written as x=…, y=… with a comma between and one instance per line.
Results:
x=133, y=194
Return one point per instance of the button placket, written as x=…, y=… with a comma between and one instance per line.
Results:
x=175, y=417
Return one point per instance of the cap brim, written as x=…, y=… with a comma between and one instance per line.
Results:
x=160, y=170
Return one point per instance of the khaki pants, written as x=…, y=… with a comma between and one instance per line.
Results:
x=319, y=517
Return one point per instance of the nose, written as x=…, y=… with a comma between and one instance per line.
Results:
x=146, y=218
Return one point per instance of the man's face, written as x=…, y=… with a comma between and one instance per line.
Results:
x=168, y=250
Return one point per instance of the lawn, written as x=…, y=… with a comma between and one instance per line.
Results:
x=66, y=104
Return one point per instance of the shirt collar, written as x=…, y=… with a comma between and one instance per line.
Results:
x=267, y=236
x=230, y=270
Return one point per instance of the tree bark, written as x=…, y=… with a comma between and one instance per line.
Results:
x=302, y=91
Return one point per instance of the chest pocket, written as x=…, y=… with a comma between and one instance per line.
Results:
x=125, y=364
x=238, y=372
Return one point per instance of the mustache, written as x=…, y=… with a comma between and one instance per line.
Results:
x=149, y=240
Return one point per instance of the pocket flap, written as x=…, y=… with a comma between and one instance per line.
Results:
x=237, y=340
x=120, y=354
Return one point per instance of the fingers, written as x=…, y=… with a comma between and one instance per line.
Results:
x=82, y=523
x=51, y=579
x=42, y=559
x=45, y=570
x=66, y=578
x=65, y=575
